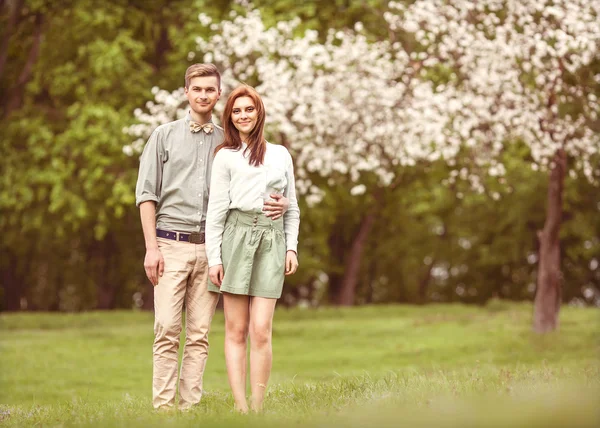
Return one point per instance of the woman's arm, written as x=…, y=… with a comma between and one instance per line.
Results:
x=218, y=206
x=291, y=218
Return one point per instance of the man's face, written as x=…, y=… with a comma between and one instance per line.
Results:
x=203, y=93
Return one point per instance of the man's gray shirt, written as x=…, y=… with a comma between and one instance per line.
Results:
x=175, y=169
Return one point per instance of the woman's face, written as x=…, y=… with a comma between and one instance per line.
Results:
x=244, y=116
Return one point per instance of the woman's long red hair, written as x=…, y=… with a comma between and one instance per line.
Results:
x=257, y=145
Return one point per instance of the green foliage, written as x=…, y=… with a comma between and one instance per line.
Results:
x=71, y=238
x=325, y=15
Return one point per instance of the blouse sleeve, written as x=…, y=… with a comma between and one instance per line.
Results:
x=218, y=205
x=291, y=218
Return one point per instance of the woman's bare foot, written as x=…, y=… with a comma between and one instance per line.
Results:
x=242, y=410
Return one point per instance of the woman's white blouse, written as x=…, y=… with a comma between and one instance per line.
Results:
x=235, y=184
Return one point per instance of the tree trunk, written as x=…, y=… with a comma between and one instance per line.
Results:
x=548, y=292
x=10, y=290
x=161, y=47
x=148, y=295
x=106, y=289
x=424, y=283
x=426, y=278
x=347, y=290
x=105, y=297
x=15, y=12
x=18, y=90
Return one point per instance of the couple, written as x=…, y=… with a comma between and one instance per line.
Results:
x=219, y=214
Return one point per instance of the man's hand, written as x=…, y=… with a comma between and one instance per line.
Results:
x=154, y=265
x=216, y=274
x=276, y=208
x=291, y=262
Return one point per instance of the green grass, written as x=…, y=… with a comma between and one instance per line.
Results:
x=439, y=365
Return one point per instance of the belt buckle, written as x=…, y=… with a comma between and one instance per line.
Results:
x=196, y=238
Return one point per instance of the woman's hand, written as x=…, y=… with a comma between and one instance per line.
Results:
x=216, y=274
x=291, y=262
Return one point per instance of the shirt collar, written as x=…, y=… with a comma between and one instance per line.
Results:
x=188, y=119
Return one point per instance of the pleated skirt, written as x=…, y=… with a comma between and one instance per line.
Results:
x=253, y=254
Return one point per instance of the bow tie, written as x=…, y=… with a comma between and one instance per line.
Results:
x=196, y=127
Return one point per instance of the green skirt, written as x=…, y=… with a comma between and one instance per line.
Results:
x=253, y=254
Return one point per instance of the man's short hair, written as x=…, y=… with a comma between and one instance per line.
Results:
x=201, y=70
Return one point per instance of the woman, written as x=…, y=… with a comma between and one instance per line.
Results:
x=249, y=253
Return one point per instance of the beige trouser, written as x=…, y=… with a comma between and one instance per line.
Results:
x=184, y=281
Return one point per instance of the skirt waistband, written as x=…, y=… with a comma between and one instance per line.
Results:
x=258, y=220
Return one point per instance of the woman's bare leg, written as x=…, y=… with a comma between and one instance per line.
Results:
x=261, y=354
x=236, y=308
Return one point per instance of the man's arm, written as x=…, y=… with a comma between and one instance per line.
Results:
x=154, y=264
x=277, y=207
x=146, y=197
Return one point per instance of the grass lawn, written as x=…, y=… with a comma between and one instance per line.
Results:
x=437, y=365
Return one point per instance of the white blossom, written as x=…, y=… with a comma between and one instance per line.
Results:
x=358, y=190
x=348, y=108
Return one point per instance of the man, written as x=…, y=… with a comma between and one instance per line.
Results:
x=172, y=194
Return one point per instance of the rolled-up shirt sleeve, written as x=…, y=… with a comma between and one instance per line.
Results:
x=150, y=173
x=218, y=206
x=291, y=218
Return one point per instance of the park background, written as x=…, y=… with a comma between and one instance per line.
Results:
x=437, y=167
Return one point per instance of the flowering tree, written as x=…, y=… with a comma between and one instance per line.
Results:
x=458, y=77
x=523, y=70
x=350, y=112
